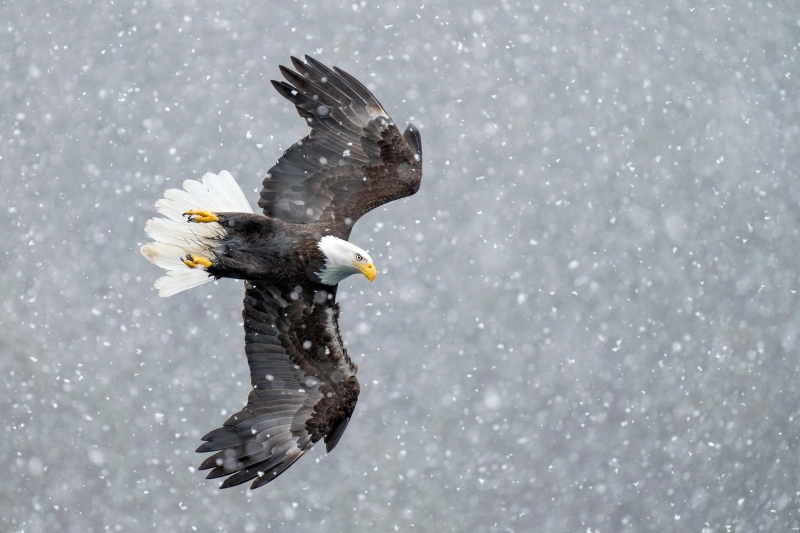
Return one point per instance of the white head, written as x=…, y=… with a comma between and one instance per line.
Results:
x=343, y=259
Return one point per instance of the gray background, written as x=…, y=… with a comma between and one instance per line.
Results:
x=586, y=320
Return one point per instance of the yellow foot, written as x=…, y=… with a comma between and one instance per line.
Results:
x=201, y=216
x=194, y=261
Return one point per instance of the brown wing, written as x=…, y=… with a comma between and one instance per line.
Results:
x=304, y=386
x=354, y=160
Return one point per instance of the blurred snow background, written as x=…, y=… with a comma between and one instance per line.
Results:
x=587, y=318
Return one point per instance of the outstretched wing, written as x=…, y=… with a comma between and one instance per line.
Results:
x=304, y=386
x=354, y=160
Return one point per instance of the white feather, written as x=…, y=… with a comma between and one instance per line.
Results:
x=180, y=233
x=225, y=187
x=175, y=237
x=339, y=255
x=180, y=280
x=167, y=256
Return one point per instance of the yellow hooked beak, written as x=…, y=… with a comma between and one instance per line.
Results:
x=368, y=270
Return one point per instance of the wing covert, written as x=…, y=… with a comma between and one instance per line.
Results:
x=304, y=386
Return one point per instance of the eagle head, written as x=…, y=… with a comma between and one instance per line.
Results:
x=343, y=259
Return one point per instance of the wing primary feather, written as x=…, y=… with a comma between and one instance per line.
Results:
x=278, y=469
x=299, y=99
x=309, y=88
x=230, y=454
x=321, y=79
x=334, y=79
x=365, y=94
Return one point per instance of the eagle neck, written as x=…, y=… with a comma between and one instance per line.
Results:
x=338, y=263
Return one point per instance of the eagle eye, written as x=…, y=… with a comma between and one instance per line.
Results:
x=358, y=257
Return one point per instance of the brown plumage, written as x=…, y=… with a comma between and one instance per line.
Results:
x=304, y=386
x=304, y=383
x=354, y=160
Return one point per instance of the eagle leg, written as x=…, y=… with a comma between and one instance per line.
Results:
x=193, y=261
x=201, y=216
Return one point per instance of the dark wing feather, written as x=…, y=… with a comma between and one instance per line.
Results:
x=304, y=386
x=354, y=160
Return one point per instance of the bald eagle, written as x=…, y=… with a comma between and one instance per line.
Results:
x=304, y=385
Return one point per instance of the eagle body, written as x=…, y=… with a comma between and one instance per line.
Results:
x=292, y=256
x=255, y=247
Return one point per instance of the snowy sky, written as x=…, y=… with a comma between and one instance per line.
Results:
x=586, y=320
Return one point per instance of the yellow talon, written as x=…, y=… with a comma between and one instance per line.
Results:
x=193, y=261
x=201, y=216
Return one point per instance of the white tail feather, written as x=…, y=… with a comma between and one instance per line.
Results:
x=226, y=186
x=180, y=233
x=178, y=281
x=175, y=237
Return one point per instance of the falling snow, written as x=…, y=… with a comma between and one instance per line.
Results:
x=586, y=320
